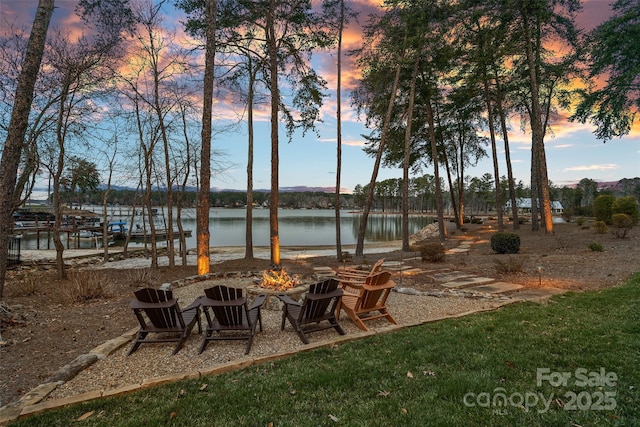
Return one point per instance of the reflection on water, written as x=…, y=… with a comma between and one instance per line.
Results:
x=295, y=228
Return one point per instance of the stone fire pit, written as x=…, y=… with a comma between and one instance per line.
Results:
x=272, y=302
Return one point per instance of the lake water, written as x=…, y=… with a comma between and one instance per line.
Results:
x=300, y=227
x=297, y=227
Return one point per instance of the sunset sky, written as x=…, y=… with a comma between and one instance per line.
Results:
x=572, y=151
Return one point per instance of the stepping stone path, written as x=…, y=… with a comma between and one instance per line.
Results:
x=460, y=283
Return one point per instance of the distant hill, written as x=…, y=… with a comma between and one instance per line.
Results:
x=623, y=185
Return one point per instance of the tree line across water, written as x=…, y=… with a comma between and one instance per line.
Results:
x=576, y=200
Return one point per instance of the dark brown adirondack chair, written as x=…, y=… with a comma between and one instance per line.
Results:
x=229, y=317
x=159, y=314
x=360, y=299
x=318, y=305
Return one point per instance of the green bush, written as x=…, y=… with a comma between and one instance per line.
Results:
x=505, y=243
x=626, y=205
x=433, y=252
x=580, y=221
x=622, y=224
x=602, y=207
x=600, y=227
x=595, y=247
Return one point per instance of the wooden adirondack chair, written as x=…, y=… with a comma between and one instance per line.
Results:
x=351, y=273
x=318, y=306
x=159, y=314
x=361, y=300
x=229, y=317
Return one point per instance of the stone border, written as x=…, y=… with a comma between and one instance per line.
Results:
x=32, y=402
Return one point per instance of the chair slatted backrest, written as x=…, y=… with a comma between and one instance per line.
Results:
x=377, y=266
x=371, y=297
x=226, y=315
x=159, y=317
x=317, y=309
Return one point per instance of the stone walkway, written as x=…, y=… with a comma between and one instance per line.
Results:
x=476, y=286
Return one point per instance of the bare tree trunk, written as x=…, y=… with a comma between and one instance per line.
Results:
x=248, y=249
x=442, y=228
x=275, y=160
x=147, y=204
x=167, y=165
x=406, y=160
x=505, y=137
x=339, y=134
x=13, y=145
x=376, y=166
x=535, y=223
x=494, y=155
x=537, y=132
x=452, y=192
x=461, y=201
x=202, y=221
x=180, y=201
x=57, y=202
x=105, y=198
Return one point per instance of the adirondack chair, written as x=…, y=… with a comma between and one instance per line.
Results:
x=318, y=306
x=363, y=301
x=229, y=316
x=351, y=273
x=159, y=314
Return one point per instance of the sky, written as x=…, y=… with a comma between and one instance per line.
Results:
x=572, y=151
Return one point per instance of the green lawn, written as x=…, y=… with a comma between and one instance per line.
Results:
x=572, y=362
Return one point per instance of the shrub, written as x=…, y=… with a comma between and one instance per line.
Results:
x=84, y=286
x=600, y=227
x=626, y=205
x=622, y=223
x=505, y=243
x=595, y=247
x=27, y=286
x=602, y=207
x=433, y=252
x=580, y=221
x=510, y=266
x=142, y=277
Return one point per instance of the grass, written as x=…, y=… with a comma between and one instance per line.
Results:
x=452, y=372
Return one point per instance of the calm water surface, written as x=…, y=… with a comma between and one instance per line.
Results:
x=297, y=227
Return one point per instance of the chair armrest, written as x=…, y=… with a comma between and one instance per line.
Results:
x=138, y=305
x=315, y=297
x=257, y=303
x=288, y=300
x=195, y=304
x=387, y=285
